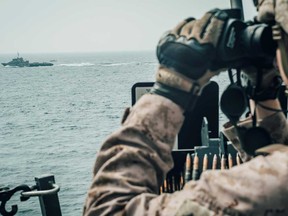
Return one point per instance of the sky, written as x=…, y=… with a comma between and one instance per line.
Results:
x=45, y=26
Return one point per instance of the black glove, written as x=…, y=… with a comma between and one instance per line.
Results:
x=185, y=55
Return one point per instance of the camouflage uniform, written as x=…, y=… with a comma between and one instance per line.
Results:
x=133, y=161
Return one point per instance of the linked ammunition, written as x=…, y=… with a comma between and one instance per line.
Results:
x=191, y=169
x=169, y=188
x=187, y=168
x=230, y=161
x=223, y=162
x=173, y=184
x=214, y=163
x=181, y=181
x=195, y=167
x=205, y=163
x=238, y=160
x=165, y=188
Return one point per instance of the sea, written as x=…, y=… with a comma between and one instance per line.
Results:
x=53, y=120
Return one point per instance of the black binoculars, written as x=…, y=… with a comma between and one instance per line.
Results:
x=245, y=44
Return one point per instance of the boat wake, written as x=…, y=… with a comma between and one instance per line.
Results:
x=117, y=64
x=125, y=64
x=8, y=66
x=83, y=64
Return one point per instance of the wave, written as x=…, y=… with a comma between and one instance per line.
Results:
x=9, y=66
x=150, y=63
x=116, y=64
x=126, y=63
x=77, y=64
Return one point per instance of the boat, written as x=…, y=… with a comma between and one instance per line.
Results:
x=20, y=62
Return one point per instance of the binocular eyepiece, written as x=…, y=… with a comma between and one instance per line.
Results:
x=245, y=44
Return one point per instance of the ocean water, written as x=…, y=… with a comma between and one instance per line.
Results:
x=54, y=119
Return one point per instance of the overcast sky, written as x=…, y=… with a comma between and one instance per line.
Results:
x=93, y=25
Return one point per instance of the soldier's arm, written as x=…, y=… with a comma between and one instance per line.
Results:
x=133, y=161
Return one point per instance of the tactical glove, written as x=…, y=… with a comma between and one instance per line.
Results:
x=270, y=11
x=276, y=12
x=185, y=55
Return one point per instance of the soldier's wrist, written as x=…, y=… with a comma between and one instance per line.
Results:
x=177, y=80
x=184, y=99
x=176, y=87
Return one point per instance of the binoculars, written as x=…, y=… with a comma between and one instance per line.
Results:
x=245, y=44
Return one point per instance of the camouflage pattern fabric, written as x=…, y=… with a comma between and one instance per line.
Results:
x=134, y=160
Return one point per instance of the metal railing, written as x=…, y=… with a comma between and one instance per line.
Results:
x=46, y=189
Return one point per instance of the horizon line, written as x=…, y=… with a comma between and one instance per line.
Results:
x=70, y=52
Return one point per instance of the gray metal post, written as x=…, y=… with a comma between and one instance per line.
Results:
x=237, y=4
x=50, y=205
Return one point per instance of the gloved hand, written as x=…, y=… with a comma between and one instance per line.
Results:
x=273, y=10
x=185, y=55
x=276, y=11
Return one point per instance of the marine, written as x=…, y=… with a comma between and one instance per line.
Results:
x=134, y=160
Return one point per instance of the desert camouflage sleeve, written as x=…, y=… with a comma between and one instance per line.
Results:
x=134, y=160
